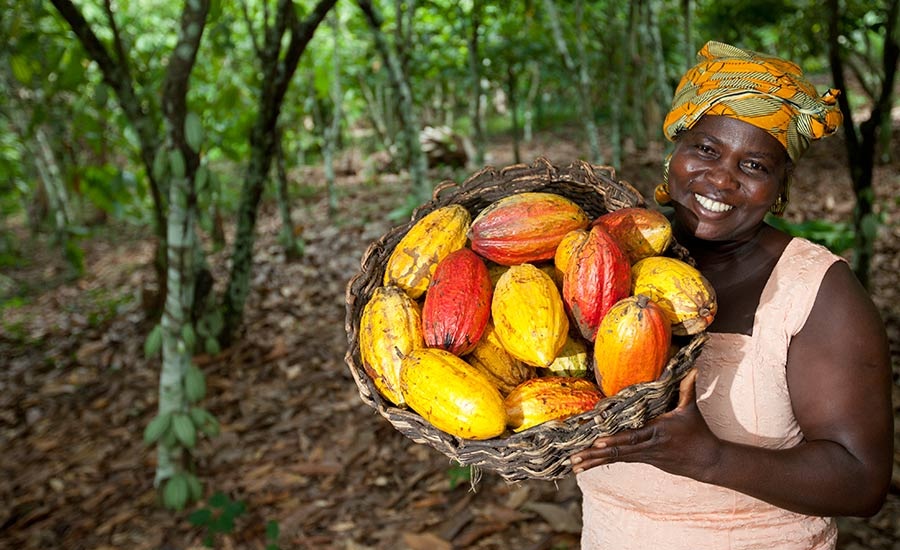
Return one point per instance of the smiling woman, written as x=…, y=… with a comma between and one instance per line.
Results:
x=786, y=421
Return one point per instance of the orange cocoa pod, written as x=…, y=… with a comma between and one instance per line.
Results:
x=632, y=344
x=458, y=303
x=390, y=327
x=413, y=261
x=687, y=297
x=491, y=358
x=597, y=276
x=529, y=315
x=525, y=228
x=540, y=400
x=452, y=395
x=641, y=232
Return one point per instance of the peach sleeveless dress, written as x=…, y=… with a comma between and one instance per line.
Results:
x=743, y=395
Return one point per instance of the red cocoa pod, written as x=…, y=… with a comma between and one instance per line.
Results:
x=457, y=303
x=598, y=275
x=540, y=400
x=525, y=228
x=641, y=232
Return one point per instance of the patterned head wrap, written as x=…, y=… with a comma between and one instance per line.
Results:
x=767, y=92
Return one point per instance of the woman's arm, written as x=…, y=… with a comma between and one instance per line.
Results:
x=839, y=378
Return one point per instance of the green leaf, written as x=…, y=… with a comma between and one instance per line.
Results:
x=175, y=493
x=189, y=336
x=193, y=131
x=200, y=517
x=272, y=530
x=176, y=163
x=218, y=500
x=194, y=384
x=21, y=68
x=195, y=488
x=153, y=343
x=184, y=430
x=201, y=178
x=204, y=421
x=157, y=427
x=211, y=346
x=160, y=165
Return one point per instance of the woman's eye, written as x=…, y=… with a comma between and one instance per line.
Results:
x=756, y=166
x=706, y=149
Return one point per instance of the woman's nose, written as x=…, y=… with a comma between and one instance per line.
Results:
x=722, y=176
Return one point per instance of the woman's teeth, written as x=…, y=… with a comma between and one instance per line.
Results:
x=711, y=205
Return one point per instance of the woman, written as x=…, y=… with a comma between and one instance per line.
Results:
x=786, y=421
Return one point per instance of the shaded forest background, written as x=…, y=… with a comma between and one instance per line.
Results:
x=188, y=188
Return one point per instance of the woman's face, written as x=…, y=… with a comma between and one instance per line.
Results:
x=724, y=175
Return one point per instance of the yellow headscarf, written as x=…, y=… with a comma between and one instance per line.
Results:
x=767, y=92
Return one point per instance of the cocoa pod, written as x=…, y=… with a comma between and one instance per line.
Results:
x=687, y=297
x=452, y=395
x=414, y=259
x=573, y=360
x=390, y=327
x=540, y=400
x=640, y=232
x=529, y=315
x=491, y=358
x=458, y=303
x=525, y=228
x=632, y=344
x=597, y=276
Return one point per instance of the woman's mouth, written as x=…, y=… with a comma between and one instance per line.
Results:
x=712, y=205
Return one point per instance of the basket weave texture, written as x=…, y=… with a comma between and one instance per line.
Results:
x=541, y=452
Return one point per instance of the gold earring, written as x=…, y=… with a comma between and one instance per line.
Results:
x=780, y=205
x=661, y=194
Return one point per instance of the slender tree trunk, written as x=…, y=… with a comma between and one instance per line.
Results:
x=617, y=98
x=278, y=69
x=418, y=163
x=57, y=194
x=581, y=73
x=292, y=247
x=861, y=146
x=183, y=152
x=635, y=126
x=534, y=87
x=333, y=131
x=688, y=32
x=475, y=111
x=512, y=92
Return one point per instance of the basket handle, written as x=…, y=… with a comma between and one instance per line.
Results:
x=447, y=184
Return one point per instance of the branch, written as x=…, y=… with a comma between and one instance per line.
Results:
x=117, y=39
x=250, y=30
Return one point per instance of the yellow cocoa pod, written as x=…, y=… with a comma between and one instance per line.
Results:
x=540, y=400
x=688, y=299
x=491, y=358
x=529, y=315
x=413, y=261
x=390, y=328
x=452, y=395
x=573, y=360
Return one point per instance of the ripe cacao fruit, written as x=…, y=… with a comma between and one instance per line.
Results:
x=452, y=395
x=572, y=241
x=641, y=232
x=491, y=358
x=413, y=261
x=540, y=400
x=458, y=303
x=597, y=276
x=525, y=228
x=573, y=360
x=632, y=344
x=529, y=315
x=687, y=297
x=389, y=329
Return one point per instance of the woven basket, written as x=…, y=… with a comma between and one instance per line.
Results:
x=541, y=452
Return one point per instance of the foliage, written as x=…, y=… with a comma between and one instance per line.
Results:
x=218, y=518
x=836, y=236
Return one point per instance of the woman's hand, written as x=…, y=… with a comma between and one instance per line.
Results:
x=678, y=442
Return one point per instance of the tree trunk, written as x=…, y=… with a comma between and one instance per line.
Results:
x=182, y=149
x=418, y=164
x=581, y=73
x=333, y=130
x=534, y=88
x=278, y=68
x=475, y=111
x=293, y=248
x=618, y=97
x=861, y=146
x=512, y=92
x=688, y=31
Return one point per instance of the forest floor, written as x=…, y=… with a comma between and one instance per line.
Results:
x=298, y=446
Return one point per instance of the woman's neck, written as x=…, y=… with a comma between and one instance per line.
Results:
x=714, y=256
